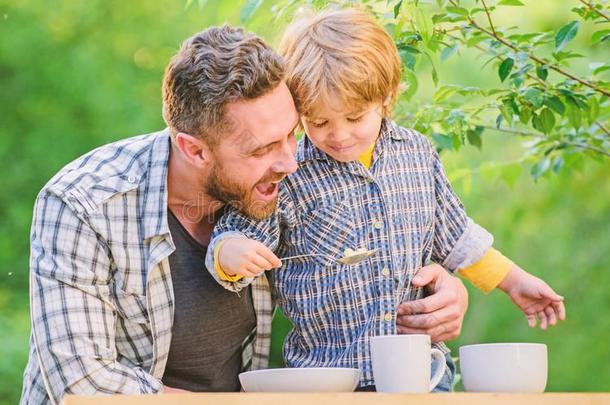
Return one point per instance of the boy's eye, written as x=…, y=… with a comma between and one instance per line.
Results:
x=354, y=119
x=319, y=124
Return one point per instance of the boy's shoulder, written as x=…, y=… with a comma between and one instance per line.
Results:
x=412, y=139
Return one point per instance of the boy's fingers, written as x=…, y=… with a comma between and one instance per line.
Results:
x=531, y=320
x=550, y=314
x=268, y=254
x=560, y=309
x=261, y=262
x=543, y=320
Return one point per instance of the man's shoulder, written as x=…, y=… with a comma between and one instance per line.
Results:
x=108, y=170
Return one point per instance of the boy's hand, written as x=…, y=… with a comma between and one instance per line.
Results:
x=246, y=257
x=535, y=298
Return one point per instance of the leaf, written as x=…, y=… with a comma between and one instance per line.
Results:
x=444, y=93
x=448, y=52
x=434, y=76
x=505, y=67
x=507, y=111
x=408, y=59
x=555, y=104
x=525, y=114
x=547, y=120
x=574, y=116
x=510, y=3
x=534, y=96
x=566, y=34
x=540, y=168
x=537, y=123
x=457, y=11
x=442, y=141
x=600, y=36
x=411, y=79
x=593, y=109
x=248, y=9
x=474, y=136
x=542, y=72
x=397, y=8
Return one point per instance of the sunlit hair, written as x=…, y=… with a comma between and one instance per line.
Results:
x=215, y=67
x=340, y=55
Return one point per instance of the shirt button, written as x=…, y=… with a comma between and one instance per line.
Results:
x=131, y=179
x=385, y=271
x=377, y=224
x=387, y=317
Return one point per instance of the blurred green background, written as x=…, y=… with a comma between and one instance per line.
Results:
x=75, y=75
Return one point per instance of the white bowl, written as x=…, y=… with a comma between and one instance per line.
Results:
x=504, y=367
x=300, y=380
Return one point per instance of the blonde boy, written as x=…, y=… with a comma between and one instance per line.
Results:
x=362, y=182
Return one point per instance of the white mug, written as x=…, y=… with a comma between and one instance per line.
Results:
x=402, y=363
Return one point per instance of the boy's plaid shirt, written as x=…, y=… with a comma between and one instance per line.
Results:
x=101, y=292
x=403, y=206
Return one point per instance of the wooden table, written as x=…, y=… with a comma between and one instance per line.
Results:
x=360, y=398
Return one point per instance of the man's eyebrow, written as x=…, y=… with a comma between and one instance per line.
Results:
x=274, y=142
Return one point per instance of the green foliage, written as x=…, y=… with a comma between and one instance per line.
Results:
x=535, y=80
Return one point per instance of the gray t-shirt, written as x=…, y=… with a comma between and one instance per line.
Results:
x=210, y=322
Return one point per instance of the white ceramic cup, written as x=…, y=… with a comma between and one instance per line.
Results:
x=504, y=367
x=402, y=363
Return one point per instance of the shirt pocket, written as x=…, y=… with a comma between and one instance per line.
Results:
x=328, y=231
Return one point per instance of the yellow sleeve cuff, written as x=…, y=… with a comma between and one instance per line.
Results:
x=489, y=271
x=223, y=276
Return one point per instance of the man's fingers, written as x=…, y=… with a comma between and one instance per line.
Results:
x=439, y=333
x=426, y=275
x=425, y=305
x=424, y=321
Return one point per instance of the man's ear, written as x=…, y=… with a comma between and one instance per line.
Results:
x=193, y=150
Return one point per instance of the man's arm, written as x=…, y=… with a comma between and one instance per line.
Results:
x=73, y=314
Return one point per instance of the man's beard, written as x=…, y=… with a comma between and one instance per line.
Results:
x=239, y=196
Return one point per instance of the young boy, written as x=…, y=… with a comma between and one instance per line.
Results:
x=362, y=182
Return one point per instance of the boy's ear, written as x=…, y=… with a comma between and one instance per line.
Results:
x=193, y=150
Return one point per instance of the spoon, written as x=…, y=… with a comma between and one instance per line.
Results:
x=350, y=257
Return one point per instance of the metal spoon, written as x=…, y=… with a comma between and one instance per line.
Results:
x=352, y=258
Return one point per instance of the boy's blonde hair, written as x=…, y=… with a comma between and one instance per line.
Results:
x=342, y=55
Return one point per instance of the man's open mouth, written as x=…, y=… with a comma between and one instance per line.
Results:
x=268, y=189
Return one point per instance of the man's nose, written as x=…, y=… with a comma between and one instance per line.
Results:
x=287, y=162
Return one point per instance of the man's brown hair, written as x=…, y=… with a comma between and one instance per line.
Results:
x=215, y=67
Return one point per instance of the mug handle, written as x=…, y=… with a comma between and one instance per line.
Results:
x=439, y=357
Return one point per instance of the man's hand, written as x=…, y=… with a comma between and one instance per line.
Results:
x=534, y=297
x=439, y=315
x=246, y=257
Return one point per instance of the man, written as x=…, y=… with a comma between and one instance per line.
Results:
x=120, y=299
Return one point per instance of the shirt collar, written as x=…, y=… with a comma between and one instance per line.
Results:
x=154, y=187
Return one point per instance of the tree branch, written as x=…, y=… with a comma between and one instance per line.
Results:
x=595, y=10
x=491, y=25
x=534, y=57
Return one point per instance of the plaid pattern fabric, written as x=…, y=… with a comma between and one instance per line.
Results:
x=403, y=206
x=101, y=291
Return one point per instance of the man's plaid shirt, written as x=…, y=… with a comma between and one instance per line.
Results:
x=101, y=290
x=403, y=206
